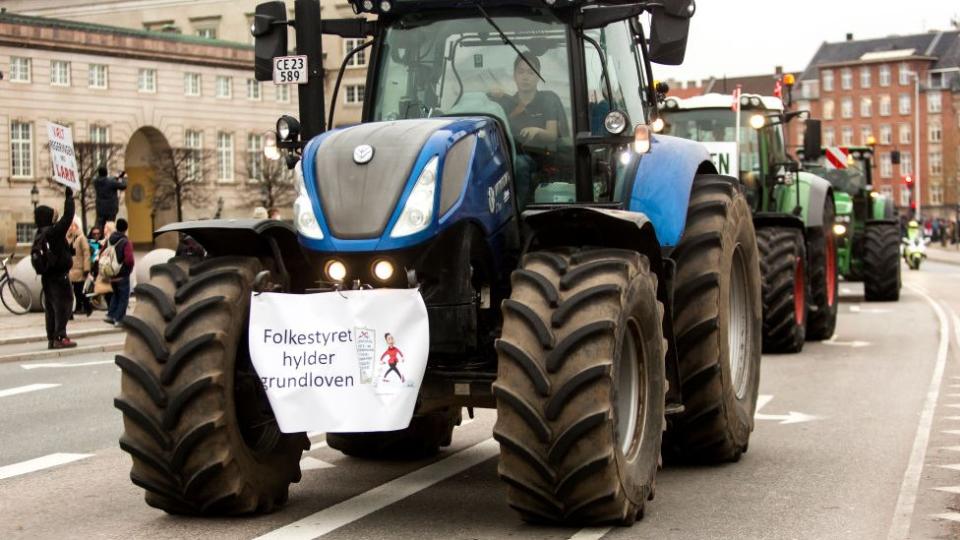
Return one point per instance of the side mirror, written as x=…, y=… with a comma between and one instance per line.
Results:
x=270, y=32
x=669, y=27
x=811, y=140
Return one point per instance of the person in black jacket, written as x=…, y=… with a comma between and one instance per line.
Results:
x=57, y=293
x=107, y=200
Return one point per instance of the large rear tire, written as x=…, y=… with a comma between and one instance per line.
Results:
x=423, y=437
x=881, y=262
x=824, y=278
x=196, y=420
x=783, y=267
x=580, y=386
x=717, y=321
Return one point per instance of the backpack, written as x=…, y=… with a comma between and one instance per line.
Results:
x=41, y=256
x=109, y=263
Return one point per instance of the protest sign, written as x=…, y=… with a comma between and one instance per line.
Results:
x=63, y=157
x=724, y=157
x=349, y=361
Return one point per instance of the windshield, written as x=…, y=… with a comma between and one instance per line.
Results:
x=713, y=126
x=433, y=65
x=850, y=180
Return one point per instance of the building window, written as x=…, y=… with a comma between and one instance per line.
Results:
x=829, y=139
x=224, y=87
x=903, y=73
x=885, y=105
x=147, y=80
x=936, y=162
x=21, y=149
x=194, y=141
x=906, y=163
x=254, y=157
x=59, y=73
x=903, y=104
x=886, y=134
x=207, y=33
x=846, y=136
x=225, y=156
x=886, y=166
x=935, y=133
x=808, y=89
x=846, y=108
x=935, y=79
x=359, y=59
x=97, y=76
x=865, y=133
x=827, y=80
x=904, y=195
x=936, y=194
x=26, y=231
x=19, y=69
x=866, y=107
x=191, y=84
x=354, y=93
x=283, y=93
x=253, y=89
x=934, y=103
x=100, y=135
x=884, y=75
x=865, y=77
x=846, y=79
x=904, y=137
x=828, y=109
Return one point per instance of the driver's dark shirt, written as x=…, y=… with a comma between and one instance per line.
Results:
x=544, y=107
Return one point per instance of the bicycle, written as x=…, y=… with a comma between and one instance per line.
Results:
x=14, y=294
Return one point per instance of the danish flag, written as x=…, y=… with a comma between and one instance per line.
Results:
x=778, y=89
x=736, y=99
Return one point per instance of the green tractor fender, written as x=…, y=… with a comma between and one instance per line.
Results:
x=881, y=207
x=843, y=204
x=812, y=197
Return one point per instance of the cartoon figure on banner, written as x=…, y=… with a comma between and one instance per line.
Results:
x=393, y=357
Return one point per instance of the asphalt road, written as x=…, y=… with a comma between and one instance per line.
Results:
x=858, y=437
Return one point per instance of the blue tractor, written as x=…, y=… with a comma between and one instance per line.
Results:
x=596, y=284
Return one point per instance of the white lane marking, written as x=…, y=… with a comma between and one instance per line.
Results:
x=949, y=489
x=907, y=499
x=952, y=466
x=855, y=308
x=950, y=516
x=350, y=510
x=24, y=389
x=53, y=365
x=951, y=448
x=856, y=344
x=310, y=463
x=762, y=400
x=792, y=417
x=952, y=405
x=951, y=431
x=950, y=418
x=40, y=463
x=591, y=533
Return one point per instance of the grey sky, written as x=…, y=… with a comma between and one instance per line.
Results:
x=751, y=37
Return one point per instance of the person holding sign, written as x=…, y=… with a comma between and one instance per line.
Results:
x=393, y=356
x=107, y=201
x=51, y=258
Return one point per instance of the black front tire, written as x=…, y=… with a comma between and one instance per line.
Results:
x=824, y=278
x=783, y=266
x=195, y=419
x=581, y=328
x=881, y=262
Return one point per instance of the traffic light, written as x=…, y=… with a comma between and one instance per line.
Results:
x=908, y=180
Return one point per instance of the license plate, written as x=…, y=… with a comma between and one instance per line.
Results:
x=290, y=70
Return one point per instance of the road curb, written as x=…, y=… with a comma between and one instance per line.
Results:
x=42, y=338
x=58, y=353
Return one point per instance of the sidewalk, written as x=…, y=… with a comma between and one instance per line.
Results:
x=23, y=337
x=949, y=254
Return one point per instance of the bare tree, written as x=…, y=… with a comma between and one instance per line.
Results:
x=180, y=178
x=90, y=156
x=269, y=183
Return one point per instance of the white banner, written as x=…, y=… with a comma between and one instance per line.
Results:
x=348, y=361
x=724, y=156
x=63, y=157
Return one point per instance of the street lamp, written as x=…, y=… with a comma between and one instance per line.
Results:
x=916, y=141
x=34, y=196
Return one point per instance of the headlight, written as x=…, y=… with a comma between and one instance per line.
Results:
x=839, y=229
x=288, y=128
x=418, y=211
x=303, y=216
x=757, y=121
x=336, y=270
x=383, y=269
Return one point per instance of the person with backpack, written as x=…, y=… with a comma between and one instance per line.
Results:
x=107, y=200
x=116, y=264
x=51, y=257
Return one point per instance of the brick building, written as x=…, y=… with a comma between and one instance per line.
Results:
x=868, y=87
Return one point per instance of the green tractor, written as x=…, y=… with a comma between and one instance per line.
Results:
x=793, y=210
x=867, y=229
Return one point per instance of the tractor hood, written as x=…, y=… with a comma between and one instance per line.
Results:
x=843, y=203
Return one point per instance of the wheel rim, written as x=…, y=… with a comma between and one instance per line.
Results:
x=629, y=388
x=739, y=324
x=799, y=296
x=831, y=269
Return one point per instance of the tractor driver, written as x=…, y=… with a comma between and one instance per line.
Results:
x=537, y=121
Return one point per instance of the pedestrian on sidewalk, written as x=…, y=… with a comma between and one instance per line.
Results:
x=51, y=257
x=80, y=268
x=121, y=281
x=107, y=200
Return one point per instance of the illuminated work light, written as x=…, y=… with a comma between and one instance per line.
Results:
x=757, y=121
x=383, y=269
x=336, y=270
